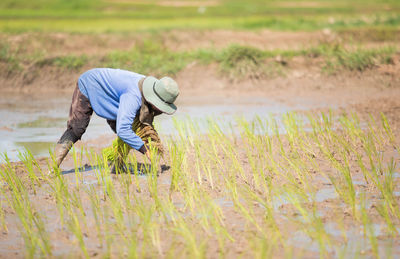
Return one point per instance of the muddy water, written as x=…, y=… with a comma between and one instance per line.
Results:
x=36, y=123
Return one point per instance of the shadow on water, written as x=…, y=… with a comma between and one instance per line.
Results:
x=82, y=169
x=139, y=168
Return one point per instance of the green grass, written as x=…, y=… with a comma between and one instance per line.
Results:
x=242, y=61
x=359, y=59
x=123, y=25
x=9, y=57
x=236, y=62
x=124, y=16
x=370, y=34
x=147, y=57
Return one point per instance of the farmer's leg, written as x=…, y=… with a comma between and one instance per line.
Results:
x=113, y=125
x=79, y=117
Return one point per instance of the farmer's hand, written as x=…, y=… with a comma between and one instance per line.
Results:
x=145, y=151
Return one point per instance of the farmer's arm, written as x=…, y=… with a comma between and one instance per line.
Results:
x=128, y=107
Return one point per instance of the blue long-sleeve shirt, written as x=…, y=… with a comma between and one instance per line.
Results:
x=114, y=95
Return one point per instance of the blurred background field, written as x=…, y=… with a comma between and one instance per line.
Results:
x=75, y=35
x=130, y=15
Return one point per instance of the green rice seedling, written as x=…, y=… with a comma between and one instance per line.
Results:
x=313, y=224
x=220, y=141
x=254, y=152
x=208, y=163
x=116, y=205
x=132, y=245
x=36, y=165
x=96, y=210
x=134, y=163
x=384, y=211
x=177, y=155
x=34, y=232
x=188, y=188
x=352, y=127
x=3, y=222
x=368, y=227
x=293, y=127
x=72, y=220
x=53, y=169
x=127, y=182
x=29, y=167
x=269, y=217
x=107, y=184
x=376, y=132
x=155, y=238
x=108, y=234
x=263, y=247
x=152, y=178
x=77, y=164
x=198, y=161
x=232, y=188
x=147, y=224
x=388, y=131
x=220, y=230
x=75, y=227
x=195, y=248
x=183, y=132
x=386, y=188
x=59, y=190
x=344, y=184
x=76, y=202
x=96, y=163
x=210, y=215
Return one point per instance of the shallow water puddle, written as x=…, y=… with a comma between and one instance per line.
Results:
x=38, y=124
x=355, y=246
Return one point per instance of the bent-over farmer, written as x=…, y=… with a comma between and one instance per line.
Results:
x=128, y=101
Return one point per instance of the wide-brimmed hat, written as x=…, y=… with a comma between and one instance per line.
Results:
x=161, y=93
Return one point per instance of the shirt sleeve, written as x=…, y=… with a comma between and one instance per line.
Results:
x=129, y=104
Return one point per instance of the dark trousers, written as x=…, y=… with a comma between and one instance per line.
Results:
x=80, y=113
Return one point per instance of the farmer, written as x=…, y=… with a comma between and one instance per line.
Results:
x=128, y=101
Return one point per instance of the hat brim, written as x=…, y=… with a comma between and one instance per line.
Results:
x=152, y=97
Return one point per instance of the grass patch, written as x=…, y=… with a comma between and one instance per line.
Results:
x=371, y=34
x=148, y=57
x=359, y=59
x=237, y=62
x=70, y=62
x=9, y=58
x=243, y=61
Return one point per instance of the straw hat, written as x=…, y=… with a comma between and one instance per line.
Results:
x=161, y=93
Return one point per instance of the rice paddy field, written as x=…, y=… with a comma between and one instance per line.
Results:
x=285, y=143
